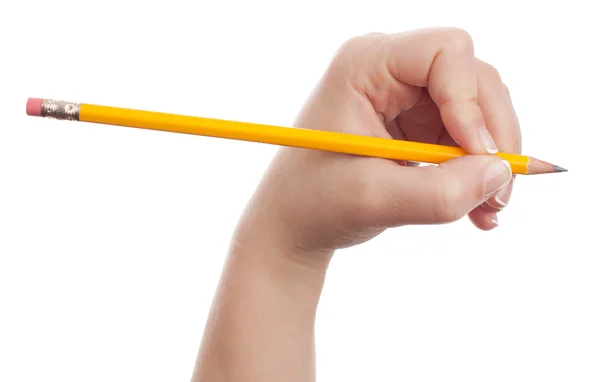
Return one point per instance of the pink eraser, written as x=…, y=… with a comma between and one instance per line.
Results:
x=34, y=107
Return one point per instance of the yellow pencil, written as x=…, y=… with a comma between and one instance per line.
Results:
x=283, y=136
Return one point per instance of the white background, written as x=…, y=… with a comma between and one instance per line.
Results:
x=112, y=239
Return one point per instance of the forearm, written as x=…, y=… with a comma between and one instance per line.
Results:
x=261, y=325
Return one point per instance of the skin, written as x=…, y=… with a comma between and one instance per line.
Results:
x=424, y=85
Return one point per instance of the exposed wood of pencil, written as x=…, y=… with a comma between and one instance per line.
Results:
x=536, y=166
x=294, y=137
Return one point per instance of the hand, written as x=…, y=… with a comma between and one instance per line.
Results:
x=424, y=86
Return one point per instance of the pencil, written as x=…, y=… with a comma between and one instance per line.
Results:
x=276, y=135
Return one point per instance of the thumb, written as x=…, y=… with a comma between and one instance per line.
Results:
x=439, y=194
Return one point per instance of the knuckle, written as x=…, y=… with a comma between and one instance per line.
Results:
x=489, y=72
x=352, y=46
x=506, y=90
x=459, y=40
x=351, y=58
x=374, y=34
x=355, y=47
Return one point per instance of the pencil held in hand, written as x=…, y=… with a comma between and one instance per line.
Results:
x=283, y=136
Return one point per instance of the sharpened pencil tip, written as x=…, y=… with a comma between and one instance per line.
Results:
x=559, y=169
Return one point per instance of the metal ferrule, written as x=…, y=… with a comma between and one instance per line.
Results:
x=60, y=110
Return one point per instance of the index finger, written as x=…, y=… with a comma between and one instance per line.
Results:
x=501, y=118
x=443, y=60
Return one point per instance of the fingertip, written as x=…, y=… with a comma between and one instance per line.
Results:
x=495, y=202
x=489, y=207
x=466, y=125
x=494, y=221
x=483, y=219
x=500, y=199
x=486, y=140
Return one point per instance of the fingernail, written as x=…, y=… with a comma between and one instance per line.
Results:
x=487, y=140
x=503, y=195
x=497, y=175
x=500, y=197
x=494, y=221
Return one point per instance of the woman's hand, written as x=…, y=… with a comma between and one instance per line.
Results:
x=424, y=86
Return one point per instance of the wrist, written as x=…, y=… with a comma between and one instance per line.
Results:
x=263, y=244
